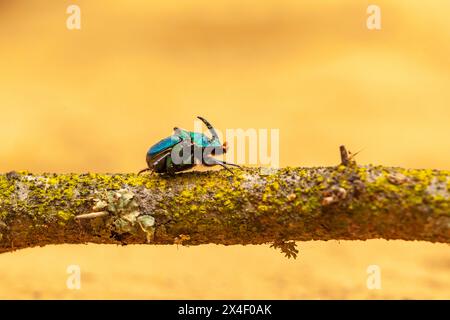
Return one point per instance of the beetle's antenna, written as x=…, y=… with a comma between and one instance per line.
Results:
x=210, y=128
x=353, y=155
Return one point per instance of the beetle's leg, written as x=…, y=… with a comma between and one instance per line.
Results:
x=143, y=170
x=227, y=163
x=169, y=166
x=231, y=164
x=209, y=162
x=158, y=160
x=155, y=162
x=165, y=155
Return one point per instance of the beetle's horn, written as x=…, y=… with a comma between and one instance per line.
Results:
x=210, y=128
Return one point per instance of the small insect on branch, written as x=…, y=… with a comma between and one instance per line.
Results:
x=347, y=157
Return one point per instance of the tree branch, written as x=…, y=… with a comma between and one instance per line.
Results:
x=251, y=207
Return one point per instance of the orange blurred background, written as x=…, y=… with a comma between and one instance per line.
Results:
x=95, y=99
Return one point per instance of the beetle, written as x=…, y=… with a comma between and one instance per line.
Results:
x=184, y=149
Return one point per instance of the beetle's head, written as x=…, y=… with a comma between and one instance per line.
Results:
x=220, y=149
x=225, y=147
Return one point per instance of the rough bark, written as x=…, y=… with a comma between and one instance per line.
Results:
x=254, y=206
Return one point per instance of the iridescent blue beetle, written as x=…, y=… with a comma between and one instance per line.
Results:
x=185, y=149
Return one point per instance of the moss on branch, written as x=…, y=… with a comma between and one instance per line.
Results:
x=253, y=206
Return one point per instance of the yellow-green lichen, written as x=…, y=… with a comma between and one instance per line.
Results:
x=65, y=215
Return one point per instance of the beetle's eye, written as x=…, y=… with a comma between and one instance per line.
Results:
x=225, y=146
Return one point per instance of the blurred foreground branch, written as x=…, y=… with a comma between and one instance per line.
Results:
x=254, y=206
